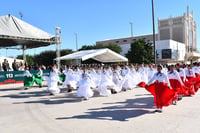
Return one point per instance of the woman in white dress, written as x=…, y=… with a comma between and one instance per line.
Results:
x=70, y=79
x=106, y=86
x=143, y=73
x=52, y=81
x=117, y=79
x=85, y=85
x=134, y=77
x=127, y=79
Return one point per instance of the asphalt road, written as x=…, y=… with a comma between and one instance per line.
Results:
x=35, y=111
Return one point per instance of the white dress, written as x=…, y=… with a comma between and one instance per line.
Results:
x=135, y=77
x=128, y=82
x=181, y=72
x=94, y=77
x=70, y=79
x=52, y=81
x=84, y=86
x=151, y=72
x=143, y=74
x=105, y=83
x=118, y=80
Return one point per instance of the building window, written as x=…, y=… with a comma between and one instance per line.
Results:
x=177, y=21
x=117, y=41
x=124, y=40
x=164, y=23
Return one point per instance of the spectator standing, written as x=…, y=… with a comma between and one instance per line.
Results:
x=4, y=65
x=15, y=66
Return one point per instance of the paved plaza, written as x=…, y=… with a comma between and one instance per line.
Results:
x=35, y=111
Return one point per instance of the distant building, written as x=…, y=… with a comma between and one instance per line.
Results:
x=181, y=29
x=170, y=51
x=125, y=43
x=176, y=40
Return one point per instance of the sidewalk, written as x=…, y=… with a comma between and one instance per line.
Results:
x=34, y=111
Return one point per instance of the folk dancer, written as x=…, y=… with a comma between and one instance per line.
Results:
x=28, y=79
x=159, y=87
x=52, y=81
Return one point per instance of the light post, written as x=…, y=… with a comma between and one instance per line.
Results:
x=154, y=37
x=76, y=35
x=131, y=28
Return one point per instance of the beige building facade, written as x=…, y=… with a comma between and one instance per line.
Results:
x=182, y=29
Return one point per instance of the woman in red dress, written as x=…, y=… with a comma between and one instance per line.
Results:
x=190, y=76
x=176, y=84
x=188, y=85
x=159, y=87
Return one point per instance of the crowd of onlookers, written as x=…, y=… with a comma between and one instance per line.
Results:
x=19, y=66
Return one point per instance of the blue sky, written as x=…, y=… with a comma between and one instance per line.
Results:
x=94, y=20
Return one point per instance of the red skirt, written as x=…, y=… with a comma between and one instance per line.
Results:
x=195, y=82
x=197, y=75
x=142, y=84
x=163, y=96
x=189, y=88
x=177, y=87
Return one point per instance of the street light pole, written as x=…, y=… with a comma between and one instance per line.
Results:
x=76, y=35
x=154, y=37
x=131, y=28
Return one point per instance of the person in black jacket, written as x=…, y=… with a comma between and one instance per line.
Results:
x=15, y=66
x=5, y=65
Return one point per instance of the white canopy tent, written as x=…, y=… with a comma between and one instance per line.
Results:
x=101, y=55
x=14, y=31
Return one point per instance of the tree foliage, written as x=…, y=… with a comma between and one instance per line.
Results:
x=29, y=58
x=141, y=52
x=111, y=46
x=46, y=57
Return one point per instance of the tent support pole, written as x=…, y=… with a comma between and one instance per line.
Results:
x=58, y=42
x=24, y=53
x=58, y=55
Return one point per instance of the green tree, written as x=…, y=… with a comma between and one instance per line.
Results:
x=47, y=57
x=111, y=46
x=29, y=58
x=140, y=52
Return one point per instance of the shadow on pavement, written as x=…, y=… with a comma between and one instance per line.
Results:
x=27, y=94
x=120, y=111
x=46, y=100
x=50, y=101
x=10, y=89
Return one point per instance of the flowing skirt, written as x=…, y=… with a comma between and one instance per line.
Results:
x=195, y=82
x=29, y=81
x=84, y=89
x=38, y=79
x=163, y=96
x=52, y=85
x=104, y=85
x=177, y=88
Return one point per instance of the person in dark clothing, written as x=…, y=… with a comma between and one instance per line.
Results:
x=5, y=65
x=15, y=66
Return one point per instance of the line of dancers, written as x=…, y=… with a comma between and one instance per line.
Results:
x=167, y=85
